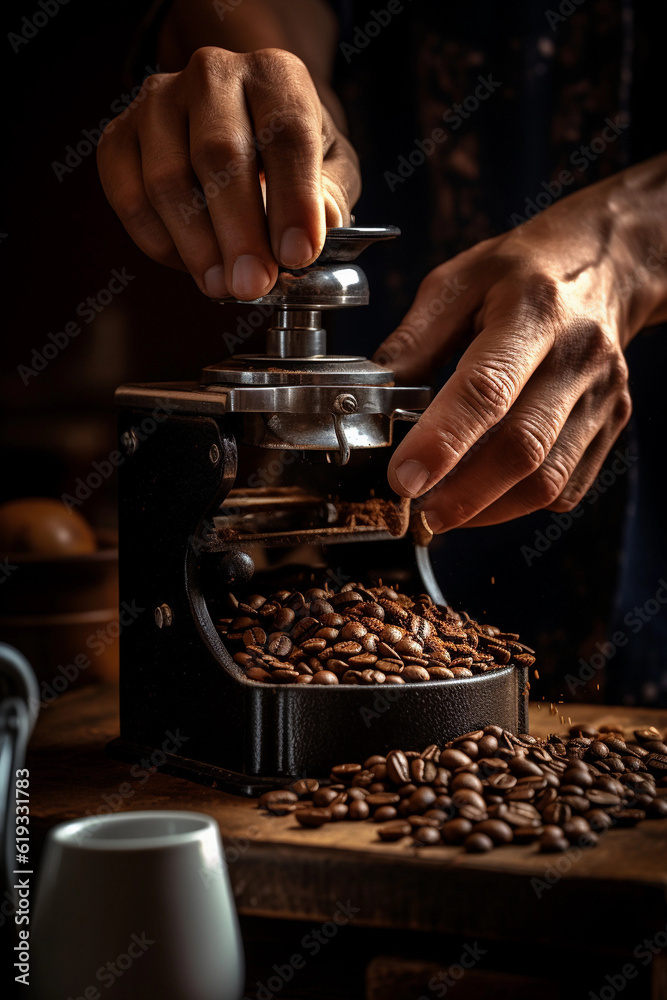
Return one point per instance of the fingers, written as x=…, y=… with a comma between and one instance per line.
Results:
x=526, y=448
x=568, y=472
x=487, y=381
x=440, y=316
x=119, y=165
x=287, y=117
x=172, y=189
x=219, y=169
x=224, y=158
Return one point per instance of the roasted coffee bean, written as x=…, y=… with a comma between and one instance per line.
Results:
x=466, y=780
x=320, y=606
x=325, y=677
x=602, y=800
x=313, y=817
x=377, y=799
x=439, y=673
x=413, y=674
x=393, y=667
x=312, y=646
x=395, y=830
x=258, y=674
x=398, y=770
x=280, y=645
x=353, y=632
x=421, y=799
x=284, y=676
x=324, y=796
x=345, y=772
x=332, y=620
x=363, y=661
x=500, y=781
x=305, y=786
x=281, y=796
x=552, y=840
x=345, y=649
x=526, y=834
x=454, y=831
x=385, y=813
x=363, y=779
x=454, y=758
x=427, y=836
x=330, y=634
x=358, y=809
x=576, y=828
x=391, y=634
x=345, y=599
x=496, y=829
x=477, y=843
x=254, y=636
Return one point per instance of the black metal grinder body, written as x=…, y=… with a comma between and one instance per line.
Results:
x=223, y=482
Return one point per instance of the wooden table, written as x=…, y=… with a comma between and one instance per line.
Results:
x=411, y=912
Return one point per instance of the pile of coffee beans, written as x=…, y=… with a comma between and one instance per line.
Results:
x=361, y=636
x=490, y=787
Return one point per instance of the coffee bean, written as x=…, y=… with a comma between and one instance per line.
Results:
x=427, y=836
x=384, y=813
x=313, y=817
x=395, y=830
x=325, y=677
x=454, y=831
x=477, y=843
x=284, y=676
x=275, y=798
x=421, y=800
x=423, y=771
x=254, y=636
x=358, y=810
x=345, y=649
x=280, y=645
x=353, y=632
x=499, y=831
x=552, y=840
x=258, y=674
x=454, y=758
x=601, y=799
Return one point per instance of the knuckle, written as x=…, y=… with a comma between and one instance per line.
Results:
x=213, y=148
x=488, y=390
x=546, y=486
x=166, y=181
x=272, y=61
x=566, y=502
x=155, y=83
x=526, y=447
x=207, y=58
x=622, y=408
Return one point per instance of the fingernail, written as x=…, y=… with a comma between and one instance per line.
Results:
x=214, y=282
x=295, y=247
x=412, y=476
x=433, y=521
x=249, y=277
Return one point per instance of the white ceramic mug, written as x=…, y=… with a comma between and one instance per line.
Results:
x=136, y=906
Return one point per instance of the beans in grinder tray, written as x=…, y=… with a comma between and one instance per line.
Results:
x=367, y=636
x=473, y=791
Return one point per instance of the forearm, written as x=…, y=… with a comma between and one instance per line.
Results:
x=306, y=28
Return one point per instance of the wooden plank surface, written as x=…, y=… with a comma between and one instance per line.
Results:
x=278, y=869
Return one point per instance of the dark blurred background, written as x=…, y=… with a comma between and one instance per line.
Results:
x=61, y=244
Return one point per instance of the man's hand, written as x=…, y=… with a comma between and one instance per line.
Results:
x=541, y=393
x=249, y=130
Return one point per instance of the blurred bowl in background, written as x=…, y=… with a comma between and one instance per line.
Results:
x=61, y=612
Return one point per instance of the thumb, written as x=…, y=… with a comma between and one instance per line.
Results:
x=435, y=324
